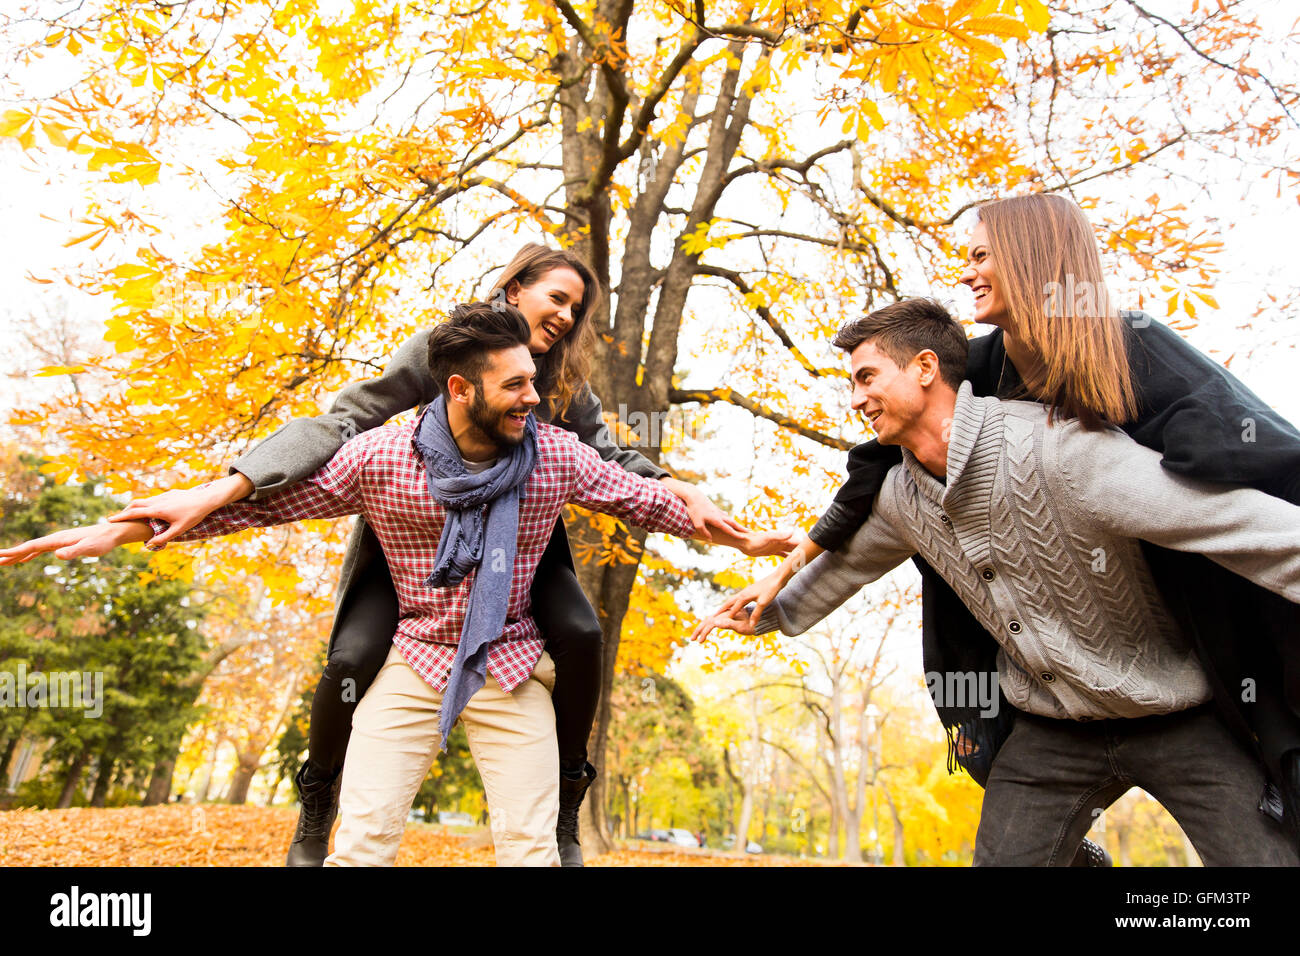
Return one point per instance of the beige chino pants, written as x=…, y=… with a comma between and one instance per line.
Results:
x=393, y=744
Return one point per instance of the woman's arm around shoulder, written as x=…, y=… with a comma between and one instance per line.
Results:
x=1204, y=422
x=298, y=449
x=304, y=445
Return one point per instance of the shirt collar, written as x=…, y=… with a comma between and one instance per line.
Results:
x=973, y=447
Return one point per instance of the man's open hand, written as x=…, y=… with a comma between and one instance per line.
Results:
x=705, y=515
x=735, y=614
x=92, y=541
x=737, y=621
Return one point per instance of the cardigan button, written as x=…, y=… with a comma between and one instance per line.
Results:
x=988, y=574
x=944, y=518
x=1014, y=627
x=1048, y=677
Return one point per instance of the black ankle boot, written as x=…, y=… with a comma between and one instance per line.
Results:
x=1091, y=854
x=572, y=790
x=319, y=799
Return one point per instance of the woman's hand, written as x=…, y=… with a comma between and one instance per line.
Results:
x=763, y=544
x=92, y=541
x=184, y=508
x=705, y=515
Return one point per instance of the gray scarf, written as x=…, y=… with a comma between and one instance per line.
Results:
x=482, y=522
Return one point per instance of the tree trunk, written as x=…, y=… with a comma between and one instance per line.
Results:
x=160, y=782
x=614, y=375
x=853, y=834
x=201, y=796
x=899, y=856
x=72, y=780
x=98, y=796
x=279, y=779
x=1122, y=841
x=241, y=780
x=10, y=746
x=611, y=586
x=6, y=755
x=742, y=824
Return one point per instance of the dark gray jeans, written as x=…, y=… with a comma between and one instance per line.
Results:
x=1051, y=775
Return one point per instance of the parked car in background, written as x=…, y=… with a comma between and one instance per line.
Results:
x=729, y=842
x=454, y=819
x=679, y=837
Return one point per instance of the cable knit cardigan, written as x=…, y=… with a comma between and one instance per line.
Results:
x=1038, y=529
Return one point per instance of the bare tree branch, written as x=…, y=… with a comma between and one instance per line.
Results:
x=730, y=396
x=736, y=279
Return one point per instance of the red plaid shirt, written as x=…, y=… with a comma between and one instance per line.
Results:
x=379, y=475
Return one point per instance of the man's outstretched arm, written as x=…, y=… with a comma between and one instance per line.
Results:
x=333, y=491
x=878, y=547
x=644, y=502
x=89, y=541
x=648, y=504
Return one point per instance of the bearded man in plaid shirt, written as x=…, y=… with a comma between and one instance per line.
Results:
x=466, y=644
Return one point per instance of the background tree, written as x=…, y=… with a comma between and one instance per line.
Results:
x=657, y=756
x=111, y=619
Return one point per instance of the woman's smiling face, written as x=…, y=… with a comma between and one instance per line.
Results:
x=551, y=306
x=981, y=277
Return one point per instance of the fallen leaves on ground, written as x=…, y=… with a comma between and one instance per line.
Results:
x=216, y=835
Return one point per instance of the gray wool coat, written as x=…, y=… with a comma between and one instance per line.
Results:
x=301, y=447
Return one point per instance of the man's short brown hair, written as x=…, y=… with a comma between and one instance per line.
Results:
x=463, y=344
x=908, y=327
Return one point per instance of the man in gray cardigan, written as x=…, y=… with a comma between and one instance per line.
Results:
x=1036, y=526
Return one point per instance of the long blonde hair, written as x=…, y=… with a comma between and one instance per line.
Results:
x=1050, y=272
x=568, y=362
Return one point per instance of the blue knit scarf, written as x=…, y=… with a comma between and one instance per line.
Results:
x=482, y=523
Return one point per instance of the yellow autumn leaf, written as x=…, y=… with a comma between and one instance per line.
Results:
x=13, y=121
x=54, y=133
x=998, y=24
x=132, y=271
x=931, y=14
x=1036, y=15
x=980, y=47
x=142, y=173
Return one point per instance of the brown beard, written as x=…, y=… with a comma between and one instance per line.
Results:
x=490, y=425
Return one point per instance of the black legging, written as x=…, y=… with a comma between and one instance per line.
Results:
x=364, y=632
